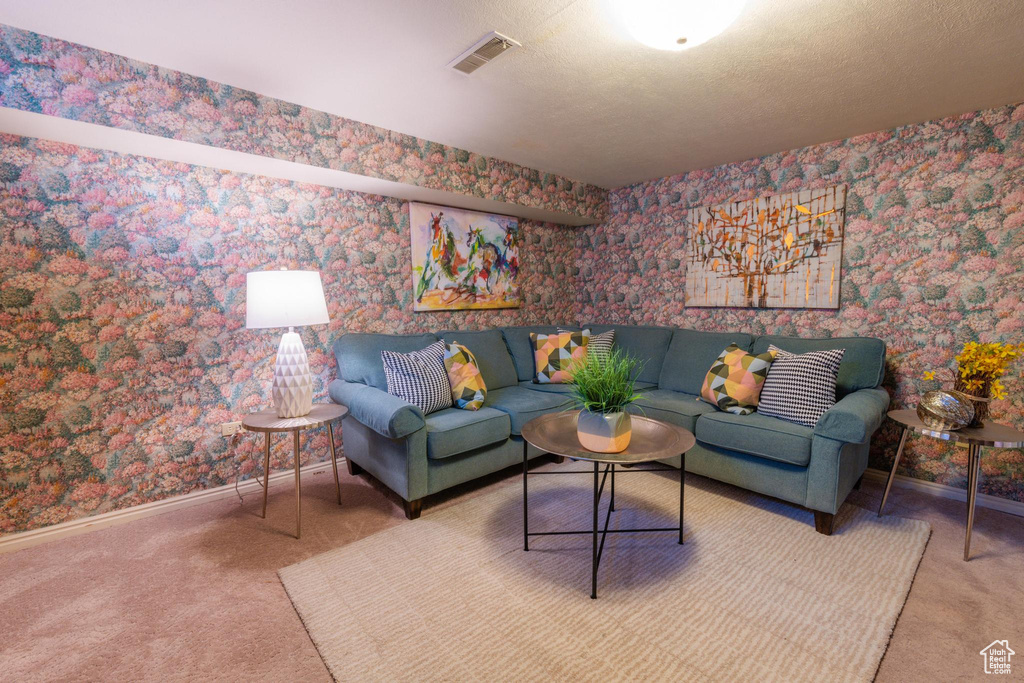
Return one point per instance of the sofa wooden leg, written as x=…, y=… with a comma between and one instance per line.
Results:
x=353, y=469
x=557, y=458
x=856, y=487
x=823, y=522
x=412, y=508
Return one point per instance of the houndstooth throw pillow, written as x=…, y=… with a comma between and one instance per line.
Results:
x=419, y=377
x=800, y=387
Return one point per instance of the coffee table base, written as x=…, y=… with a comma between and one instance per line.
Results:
x=599, y=482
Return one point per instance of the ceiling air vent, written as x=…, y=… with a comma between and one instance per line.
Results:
x=483, y=51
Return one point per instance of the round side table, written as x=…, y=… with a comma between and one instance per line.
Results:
x=268, y=422
x=652, y=440
x=989, y=434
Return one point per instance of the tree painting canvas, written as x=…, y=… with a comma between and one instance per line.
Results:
x=463, y=259
x=780, y=251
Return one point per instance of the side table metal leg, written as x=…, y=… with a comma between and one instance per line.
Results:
x=526, y=519
x=593, y=565
x=973, y=470
x=611, y=506
x=895, y=465
x=266, y=471
x=298, y=488
x=682, y=483
x=334, y=461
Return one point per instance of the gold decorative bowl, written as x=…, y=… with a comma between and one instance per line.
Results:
x=946, y=410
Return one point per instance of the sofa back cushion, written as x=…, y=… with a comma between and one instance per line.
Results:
x=517, y=339
x=358, y=354
x=648, y=343
x=863, y=363
x=492, y=356
x=691, y=354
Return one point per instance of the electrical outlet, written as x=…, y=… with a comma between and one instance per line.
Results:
x=230, y=428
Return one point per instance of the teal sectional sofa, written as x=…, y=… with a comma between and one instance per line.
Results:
x=416, y=455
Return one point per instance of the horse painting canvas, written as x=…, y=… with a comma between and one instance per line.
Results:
x=463, y=259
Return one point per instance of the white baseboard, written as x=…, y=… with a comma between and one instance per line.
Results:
x=25, y=539
x=1012, y=507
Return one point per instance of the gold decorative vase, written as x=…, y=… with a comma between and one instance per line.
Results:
x=604, y=432
x=946, y=410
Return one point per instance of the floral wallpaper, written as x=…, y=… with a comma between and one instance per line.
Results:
x=122, y=308
x=122, y=340
x=933, y=257
x=50, y=76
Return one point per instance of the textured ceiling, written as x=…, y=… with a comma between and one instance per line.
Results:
x=580, y=98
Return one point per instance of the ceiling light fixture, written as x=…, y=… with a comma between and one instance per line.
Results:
x=675, y=24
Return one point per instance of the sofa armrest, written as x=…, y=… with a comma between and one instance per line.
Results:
x=385, y=414
x=855, y=417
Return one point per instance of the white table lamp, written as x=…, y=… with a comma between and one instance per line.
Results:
x=287, y=298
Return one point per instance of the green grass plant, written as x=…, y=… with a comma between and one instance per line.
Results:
x=606, y=383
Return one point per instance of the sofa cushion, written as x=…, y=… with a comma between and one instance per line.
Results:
x=517, y=339
x=648, y=343
x=522, y=404
x=492, y=356
x=453, y=431
x=756, y=434
x=567, y=388
x=863, y=365
x=547, y=388
x=672, y=406
x=691, y=353
x=358, y=354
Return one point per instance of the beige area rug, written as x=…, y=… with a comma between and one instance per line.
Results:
x=754, y=594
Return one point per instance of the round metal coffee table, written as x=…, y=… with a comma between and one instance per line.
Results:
x=652, y=440
x=989, y=434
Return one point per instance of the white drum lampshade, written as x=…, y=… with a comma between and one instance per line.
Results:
x=287, y=298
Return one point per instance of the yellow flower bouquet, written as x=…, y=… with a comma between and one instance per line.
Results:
x=979, y=369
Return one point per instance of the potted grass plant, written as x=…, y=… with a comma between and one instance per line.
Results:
x=604, y=385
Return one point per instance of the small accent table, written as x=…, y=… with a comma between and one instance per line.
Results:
x=652, y=440
x=268, y=422
x=991, y=434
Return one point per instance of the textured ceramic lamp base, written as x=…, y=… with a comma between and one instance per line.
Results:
x=293, y=383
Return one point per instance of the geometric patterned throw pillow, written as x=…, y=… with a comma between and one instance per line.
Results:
x=468, y=388
x=801, y=387
x=734, y=381
x=555, y=354
x=419, y=377
x=599, y=344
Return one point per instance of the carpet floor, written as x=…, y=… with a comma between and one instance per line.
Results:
x=455, y=598
x=194, y=594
